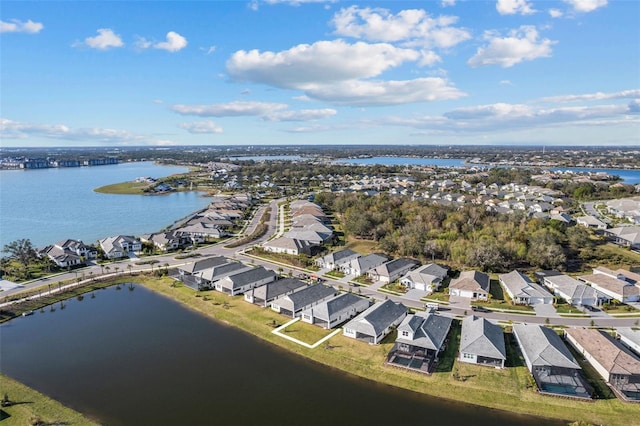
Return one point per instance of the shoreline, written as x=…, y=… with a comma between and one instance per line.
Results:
x=367, y=362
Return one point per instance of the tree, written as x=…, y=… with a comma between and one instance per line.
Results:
x=21, y=251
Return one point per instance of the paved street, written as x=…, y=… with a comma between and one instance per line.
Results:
x=456, y=308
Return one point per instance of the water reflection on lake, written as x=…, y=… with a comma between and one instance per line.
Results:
x=137, y=358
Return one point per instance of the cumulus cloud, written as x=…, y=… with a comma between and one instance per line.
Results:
x=598, y=96
x=230, y=109
x=201, y=127
x=585, y=6
x=105, y=40
x=502, y=117
x=10, y=129
x=379, y=93
x=513, y=7
x=18, y=26
x=302, y=115
x=173, y=43
x=323, y=61
x=520, y=45
x=555, y=13
x=266, y=110
x=411, y=26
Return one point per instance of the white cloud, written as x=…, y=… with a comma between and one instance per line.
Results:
x=306, y=65
x=503, y=117
x=555, y=13
x=447, y=3
x=598, y=96
x=10, y=129
x=173, y=43
x=506, y=83
x=428, y=58
x=512, y=7
x=585, y=6
x=302, y=115
x=208, y=50
x=230, y=109
x=201, y=127
x=412, y=26
x=17, y=26
x=105, y=39
x=378, y=93
x=520, y=45
x=141, y=43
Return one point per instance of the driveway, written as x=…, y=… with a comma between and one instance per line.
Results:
x=415, y=294
x=459, y=302
x=545, y=310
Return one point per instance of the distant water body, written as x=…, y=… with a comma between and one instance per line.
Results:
x=50, y=205
x=628, y=176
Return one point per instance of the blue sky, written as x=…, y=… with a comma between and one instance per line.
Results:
x=306, y=72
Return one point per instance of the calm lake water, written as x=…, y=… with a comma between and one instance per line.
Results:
x=628, y=176
x=49, y=205
x=138, y=358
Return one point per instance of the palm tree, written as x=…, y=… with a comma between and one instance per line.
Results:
x=129, y=267
x=107, y=268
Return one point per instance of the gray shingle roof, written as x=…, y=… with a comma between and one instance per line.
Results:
x=342, y=302
x=483, y=338
x=247, y=277
x=339, y=255
x=471, y=280
x=377, y=318
x=389, y=268
x=521, y=286
x=309, y=295
x=202, y=264
x=429, y=331
x=218, y=272
x=543, y=346
x=370, y=261
x=274, y=289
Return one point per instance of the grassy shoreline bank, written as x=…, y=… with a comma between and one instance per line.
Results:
x=507, y=390
x=28, y=405
x=499, y=389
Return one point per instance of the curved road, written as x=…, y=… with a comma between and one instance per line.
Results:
x=129, y=266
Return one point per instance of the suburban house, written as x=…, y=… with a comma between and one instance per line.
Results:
x=242, y=281
x=165, y=241
x=208, y=277
x=376, y=322
x=621, y=274
x=523, y=291
x=337, y=310
x=482, y=342
x=591, y=222
x=615, y=288
x=265, y=294
x=193, y=268
x=630, y=338
x=68, y=253
x=420, y=339
x=288, y=245
x=361, y=265
x=471, y=284
x=550, y=362
x=572, y=290
x=311, y=237
x=392, y=270
x=617, y=366
x=627, y=236
x=334, y=260
x=120, y=246
x=201, y=231
x=426, y=278
x=294, y=303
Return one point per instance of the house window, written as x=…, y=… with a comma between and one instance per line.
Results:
x=467, y=356
x=405, y=333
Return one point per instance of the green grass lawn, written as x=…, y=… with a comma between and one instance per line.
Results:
x=335, y=274
x=30, y=405
x=507, y=389
x=363, y=247
x=127, y=188
x=563, y=308
x=306, y=332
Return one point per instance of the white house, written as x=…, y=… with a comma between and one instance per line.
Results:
x=426, y=278
x=288, y=245
x=630, y=338
x=392, y=270
x=571, y=290
x=120, y=246
x=482, y=342
x=471, y=284
x=376, y=322
x=243, y=281
x=294, y=303
x=615, y=288
x=591, y=222
x=67, y=253
x=523, y=291
x=337, y=258
x=363, y=264
x=336, y=310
